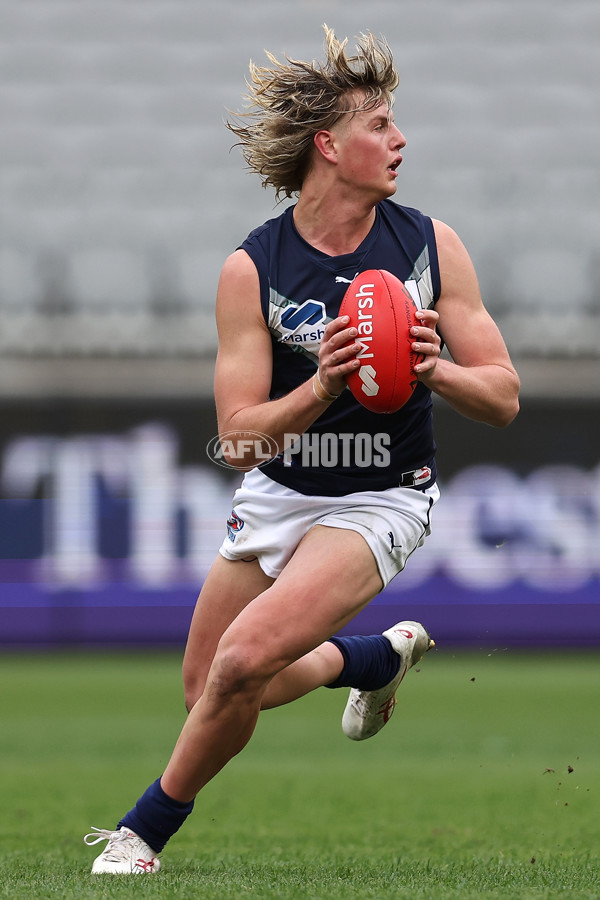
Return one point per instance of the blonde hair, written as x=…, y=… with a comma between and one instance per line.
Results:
x=291, y=101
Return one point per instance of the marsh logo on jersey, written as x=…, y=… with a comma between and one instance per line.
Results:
x=305, y=323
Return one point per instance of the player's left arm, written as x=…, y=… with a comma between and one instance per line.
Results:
x=480, y=380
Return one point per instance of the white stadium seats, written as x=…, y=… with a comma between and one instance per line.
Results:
x=120, y=198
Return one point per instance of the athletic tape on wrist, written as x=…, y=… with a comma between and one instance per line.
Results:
x=320, y=392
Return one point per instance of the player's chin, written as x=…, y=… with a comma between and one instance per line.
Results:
x=384, y=193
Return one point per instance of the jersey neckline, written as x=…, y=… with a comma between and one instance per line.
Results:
x=344, y=260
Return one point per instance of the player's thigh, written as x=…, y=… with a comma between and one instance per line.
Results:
x=228, y=588
x=331, y=576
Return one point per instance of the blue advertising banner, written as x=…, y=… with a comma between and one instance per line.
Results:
x=107, y=535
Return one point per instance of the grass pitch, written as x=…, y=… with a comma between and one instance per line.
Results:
x=485, y=784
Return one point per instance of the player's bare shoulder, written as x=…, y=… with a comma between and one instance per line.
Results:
x=238, y=293
x=457, y=272
x=238, y=271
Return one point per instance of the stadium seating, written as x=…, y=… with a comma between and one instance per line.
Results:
x=120, y=196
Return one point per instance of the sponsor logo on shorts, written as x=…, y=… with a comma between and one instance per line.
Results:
x=393, y=544
x=234, y=526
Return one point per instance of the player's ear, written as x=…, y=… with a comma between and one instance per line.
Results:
x=325, y=144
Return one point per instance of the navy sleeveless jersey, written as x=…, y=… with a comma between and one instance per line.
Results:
x=348, y=448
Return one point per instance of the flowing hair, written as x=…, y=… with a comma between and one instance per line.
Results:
x=290, y=101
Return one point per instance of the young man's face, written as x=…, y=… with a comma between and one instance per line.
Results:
x=369, y=146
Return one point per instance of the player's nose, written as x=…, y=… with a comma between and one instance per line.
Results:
x=397, y=138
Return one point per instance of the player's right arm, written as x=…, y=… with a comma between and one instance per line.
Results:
x=244, y=366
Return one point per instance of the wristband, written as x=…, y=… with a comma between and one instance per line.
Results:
x=319, y=391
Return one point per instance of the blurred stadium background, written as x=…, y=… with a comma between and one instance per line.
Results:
x=120, y=198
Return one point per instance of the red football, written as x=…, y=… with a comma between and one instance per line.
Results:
x=383, y=311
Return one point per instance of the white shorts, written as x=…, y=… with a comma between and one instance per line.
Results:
x=269, y=520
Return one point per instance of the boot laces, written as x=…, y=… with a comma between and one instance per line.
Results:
x=118, y=848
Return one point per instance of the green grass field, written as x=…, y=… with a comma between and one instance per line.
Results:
x=485, y=784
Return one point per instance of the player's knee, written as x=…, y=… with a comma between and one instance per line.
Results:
x=238, y=668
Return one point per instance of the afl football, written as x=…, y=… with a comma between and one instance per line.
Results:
x=383, y=312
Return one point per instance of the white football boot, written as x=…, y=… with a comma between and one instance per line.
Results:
x=368, y=711
x=125, y=853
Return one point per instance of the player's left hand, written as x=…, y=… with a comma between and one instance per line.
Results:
x=426, y=341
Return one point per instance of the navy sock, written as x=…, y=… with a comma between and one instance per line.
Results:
x=370, y=662
x=156, y=817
